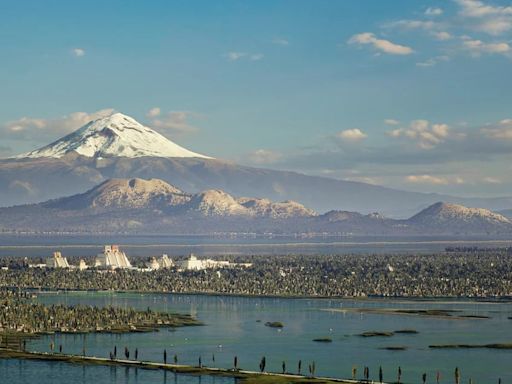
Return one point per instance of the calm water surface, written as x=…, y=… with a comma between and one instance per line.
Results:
x=235, y=327
x=82, y=246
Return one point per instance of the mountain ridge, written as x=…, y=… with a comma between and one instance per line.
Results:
x=33, y=179
x=154, y=206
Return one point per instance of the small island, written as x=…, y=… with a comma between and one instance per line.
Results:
x=471, y=346
x=407, y=331
x=323, y=340
x=395, y=348
x=274, y=324
x=376, y=334
x=23, y=317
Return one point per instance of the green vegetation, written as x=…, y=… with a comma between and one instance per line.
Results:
x=426, y=312
x=274, y=324
x=407, y=331
x=376, y=334
x=462, y=274
x=21, y=317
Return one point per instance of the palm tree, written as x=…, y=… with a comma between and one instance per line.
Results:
x=115, y=351
x=284, y=367
x=399, y=374
x=457, y=375
x=213, y=358
x=313, y=368
x=165, y=356
x=136, y=353
x=424, y=378
x=235, y=362
x=175, y=359
x=126, y=353
x=299, y=367
x=438, y=377
x=354, y=372
x=380, y=374
x=200, y=362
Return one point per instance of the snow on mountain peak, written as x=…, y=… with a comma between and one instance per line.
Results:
x=117, y=135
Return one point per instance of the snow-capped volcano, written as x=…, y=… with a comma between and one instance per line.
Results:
x=116, y=135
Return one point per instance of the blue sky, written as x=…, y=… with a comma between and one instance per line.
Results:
x=410, y=94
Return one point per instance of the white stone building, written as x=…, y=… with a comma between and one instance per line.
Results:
x=57, y=261
x=163, y=262
x=195, y=264
x=112, y=258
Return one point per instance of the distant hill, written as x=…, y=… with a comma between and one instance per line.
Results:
x=444, y=217
x=117, y=146
x=154, y=206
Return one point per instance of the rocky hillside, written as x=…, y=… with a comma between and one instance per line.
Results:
x=154, y=206
x=441, y=217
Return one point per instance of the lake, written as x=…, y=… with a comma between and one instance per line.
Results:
x=151, y=245
x=235, y=326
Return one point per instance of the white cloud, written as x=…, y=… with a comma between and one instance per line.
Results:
x=352, y=135
x=426, y=179
x=432, y=61
x=493, y=20
x=264, y=156
x=176, y=121
x=46, y=129
x=365, y=179
x=153, y=112
x=414, y=24
x=478, y=47
x=491, y=180
x=427, y=63
x=425, y=134
x=391, y=122
x=432, y=11
x=78, y=52
x=500, y=131
x=382, y=45
x=442, y=35
x=280, y=41
x=476, y=8
x=235, y=56
x=434, y=180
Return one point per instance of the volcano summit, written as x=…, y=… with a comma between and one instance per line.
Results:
x=116, y=135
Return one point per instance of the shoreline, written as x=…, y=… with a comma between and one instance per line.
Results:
x=369, y=299
x=242, y=376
